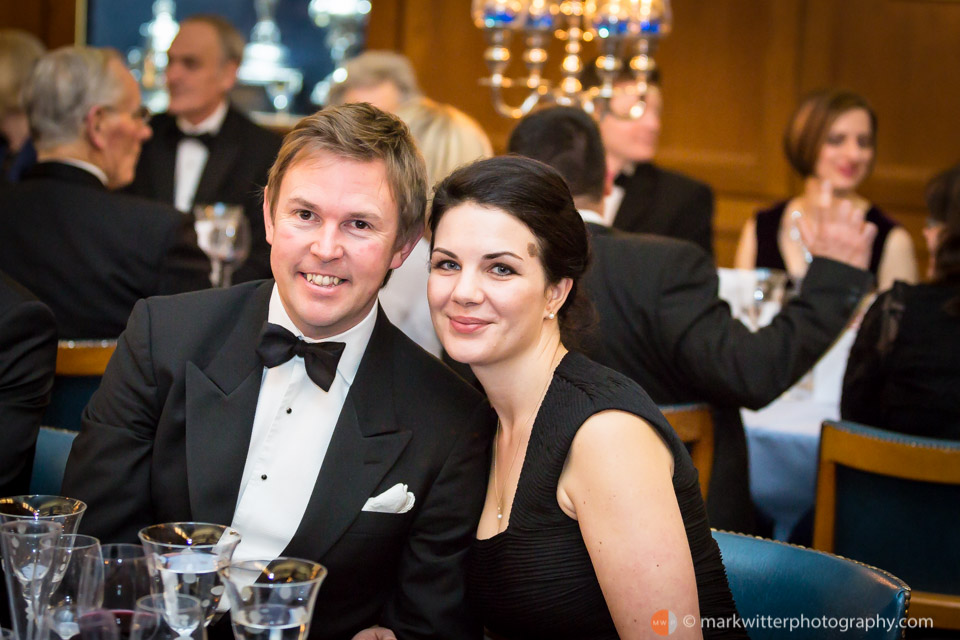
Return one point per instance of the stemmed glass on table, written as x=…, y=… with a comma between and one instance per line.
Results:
x=276, y=596
x=167, y=616
x=72, y=594
x=223, y=232
x=32, y=526
x=185, y=557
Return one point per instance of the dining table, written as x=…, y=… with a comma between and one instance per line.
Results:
x=783, y=438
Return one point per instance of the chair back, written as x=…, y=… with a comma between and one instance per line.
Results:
x=893, y=500
x=808, y=590
x=50, y=460
x=80, y=365
x=694, y=424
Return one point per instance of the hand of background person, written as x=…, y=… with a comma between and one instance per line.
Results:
x=837, y=229
x=375, y=633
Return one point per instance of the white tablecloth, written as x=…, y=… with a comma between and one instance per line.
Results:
x=783, y=438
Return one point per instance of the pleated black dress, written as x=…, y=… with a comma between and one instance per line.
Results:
x=535, y=579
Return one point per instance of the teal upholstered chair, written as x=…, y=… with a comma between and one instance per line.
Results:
x=893, y=501
x=50, y=459
x=787, y=582
x=80, y=365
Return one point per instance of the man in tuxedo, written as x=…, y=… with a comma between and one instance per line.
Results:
x=646, y=198
x=204, y=150
x=361, y=452
x=85, y=251
x=660, y=320
x=28, y=355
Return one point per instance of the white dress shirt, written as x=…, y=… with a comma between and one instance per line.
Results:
x=611, y=204
x=292, y=428
x=192, y=158
x=404, y=299
x=589, y=215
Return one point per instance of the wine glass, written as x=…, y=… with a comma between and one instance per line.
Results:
x=29, y=553
x=223, y=232
x=170, y=616
x=98, y=625
x=126, y=577
x=65, y=511
x=276, y=596
x=68, y=601
x=767, y=297
x=186, y=556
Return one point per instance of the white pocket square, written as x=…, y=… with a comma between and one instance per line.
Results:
x=396, y=499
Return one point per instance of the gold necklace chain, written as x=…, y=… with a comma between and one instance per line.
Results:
x=496, y=483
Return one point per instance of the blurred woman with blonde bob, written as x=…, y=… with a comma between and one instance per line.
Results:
x=448, y=138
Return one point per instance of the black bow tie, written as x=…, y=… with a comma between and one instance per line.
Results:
x=205, y=138
x=621, y=180
x=277, y=345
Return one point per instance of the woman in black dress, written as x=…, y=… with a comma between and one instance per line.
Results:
x=831, y=144
x=593, y=525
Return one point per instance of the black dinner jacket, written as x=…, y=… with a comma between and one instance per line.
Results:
x=89, y=253
x=667, y=203
x=239, y=160
x=28, y=354
x=166, y=436
x=661, y=322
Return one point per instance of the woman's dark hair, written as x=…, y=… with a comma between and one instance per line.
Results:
x=536, y=195
x=811, y=122
x=943, y=202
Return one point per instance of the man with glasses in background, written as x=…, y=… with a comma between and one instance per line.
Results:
x=203, y=149
x=87, y=252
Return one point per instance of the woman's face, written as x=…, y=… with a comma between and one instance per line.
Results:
x=488, y=293
x=846, y=156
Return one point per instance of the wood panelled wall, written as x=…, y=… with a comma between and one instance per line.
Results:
x=733, y=70
x=53, y=21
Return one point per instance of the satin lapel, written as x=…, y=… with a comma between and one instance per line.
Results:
x=366, y=444
x=163, y=156
x=223, y=154
x=221, y=401
x=637, y=204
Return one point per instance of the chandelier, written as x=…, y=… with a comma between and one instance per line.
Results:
x=627, y=32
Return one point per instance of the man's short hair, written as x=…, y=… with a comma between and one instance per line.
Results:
x=567, y=139
x=19, y=51
x=232, y=41
x=372, y=68
x=64, y=86
x=362, y=133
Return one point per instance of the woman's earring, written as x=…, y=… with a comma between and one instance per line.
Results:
x=551, y=315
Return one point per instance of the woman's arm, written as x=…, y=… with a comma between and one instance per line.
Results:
x=746, y=256
x=617, y=483
x=898, y=261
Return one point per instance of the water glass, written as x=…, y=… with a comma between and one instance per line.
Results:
x=65, y=511
x=223, y=233
x=29, y=553
x=167, y=617
x=273, y=596
x=185, y=557
x=71, y=596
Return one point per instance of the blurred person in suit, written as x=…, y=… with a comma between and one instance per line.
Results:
x=385, y=79
x=336, y=438
x=203, y=149
x=903, y=372
x=661, y=323
x=831, y=143
x=19, y=51
x=448, y=138
x=646, y=198
x=28, y=355
x=85, y=251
